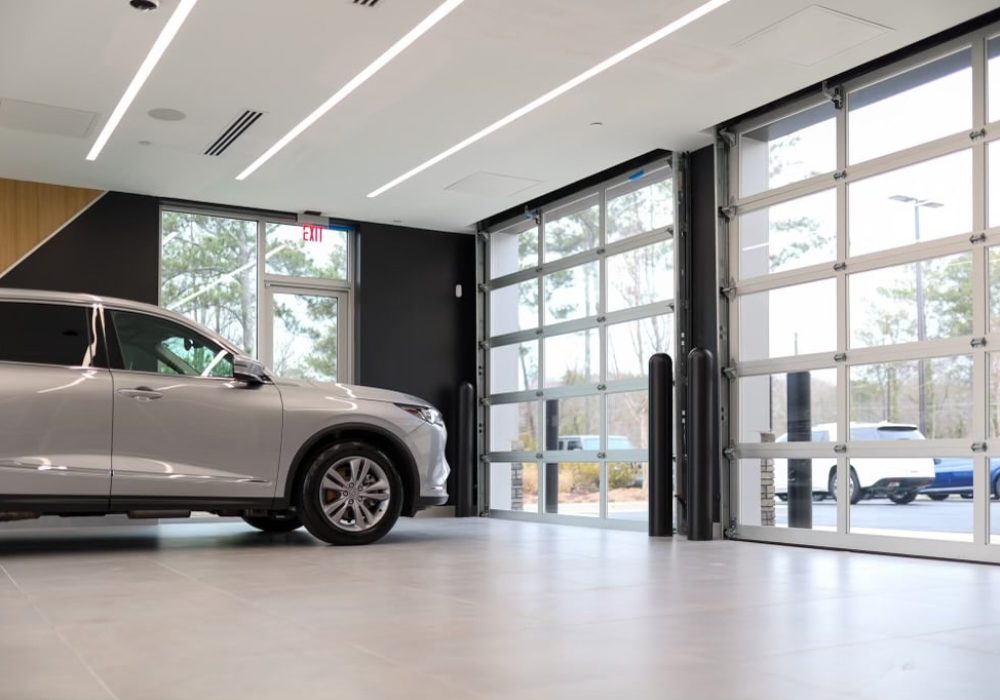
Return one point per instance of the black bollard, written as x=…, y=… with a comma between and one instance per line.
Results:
x=465, y=469
x=661, y=445
x=552, y=443
x=703, y=414
x=800, y=486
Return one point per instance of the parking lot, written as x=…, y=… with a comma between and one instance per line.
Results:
x=951, y=517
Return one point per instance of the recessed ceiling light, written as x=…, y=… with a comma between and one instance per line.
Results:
x=145, y=143
x=443, y=10
x=166, y=114
x=167, y=35
x=597, y=124
x=604, y=65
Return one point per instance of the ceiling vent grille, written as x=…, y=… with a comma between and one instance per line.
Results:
x=233, y=132
x=366, y=3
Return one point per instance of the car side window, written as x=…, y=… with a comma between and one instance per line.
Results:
x=48, y=334
x=151, y=344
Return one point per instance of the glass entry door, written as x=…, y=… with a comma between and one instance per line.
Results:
x=306, y=333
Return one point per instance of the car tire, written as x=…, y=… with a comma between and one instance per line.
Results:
x=783, y=497
x=855, y=486
x=274, y=522
x=350, y=495
x=903, y=497
x=937, y=496
x=996, y=486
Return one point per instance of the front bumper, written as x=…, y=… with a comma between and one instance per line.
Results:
x=427, y=445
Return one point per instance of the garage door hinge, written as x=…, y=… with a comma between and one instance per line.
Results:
x=979, y=447
x=840, y=175
x=728, y=211
x=978, y=134
x=729, y=373
x=483, y=345
x=729, y=452
x=484, y=236
x=977, y=237
x=728, y=137
x=482, y=288
x=840, y=357
x=485, y=459
x=484, y=401
x=840, y=448
x=978, y=342
x=729, y=291
x=835, y=96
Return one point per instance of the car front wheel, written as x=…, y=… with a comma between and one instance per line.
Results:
x=937, y=496
x=901, y=498
x=351, y=494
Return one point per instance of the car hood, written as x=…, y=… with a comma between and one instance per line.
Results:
x=351, y=391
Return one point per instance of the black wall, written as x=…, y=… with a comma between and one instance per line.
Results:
x=414, y=335
x=111, y=249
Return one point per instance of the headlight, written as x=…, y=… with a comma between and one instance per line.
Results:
x=424, y=413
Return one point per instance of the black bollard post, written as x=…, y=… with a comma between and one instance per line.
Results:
x=551, y=443
x=661, y=445
x=465, y=469
x=800, y=486
x=704, y=462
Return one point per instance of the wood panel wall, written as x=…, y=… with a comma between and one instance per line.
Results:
x=30, y=212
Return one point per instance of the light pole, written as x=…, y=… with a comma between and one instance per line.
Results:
x=917, y=203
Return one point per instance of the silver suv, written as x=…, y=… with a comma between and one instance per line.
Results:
x=110, y=406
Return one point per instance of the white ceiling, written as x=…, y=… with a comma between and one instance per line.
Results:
x=484, y=60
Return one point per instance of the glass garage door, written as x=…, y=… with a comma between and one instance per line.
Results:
x=863, y=318
x=577, y=297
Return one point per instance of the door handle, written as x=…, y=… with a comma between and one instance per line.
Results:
x=141, y=393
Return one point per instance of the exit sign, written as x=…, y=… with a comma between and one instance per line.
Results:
x=312, y=233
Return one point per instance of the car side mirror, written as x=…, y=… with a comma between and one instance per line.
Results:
x=249, y=370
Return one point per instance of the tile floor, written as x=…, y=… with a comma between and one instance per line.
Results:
x=479, y=608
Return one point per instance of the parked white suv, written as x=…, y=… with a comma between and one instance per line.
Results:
x=897, y=478
x=110, y=406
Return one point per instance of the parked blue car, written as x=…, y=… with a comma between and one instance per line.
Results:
x=954, y=475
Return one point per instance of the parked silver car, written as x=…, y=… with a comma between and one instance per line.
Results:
x=111, y=406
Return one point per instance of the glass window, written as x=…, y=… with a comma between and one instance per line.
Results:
x=574, y=358
x=787, y=321
x=628, y=490
x=789, y=150
x=572, y=294
x=208, y=272
x=921, y=202
x=514, y=427
x=514, y=486
x=993, y=54
x=636, y=207
x=628, y=421
x=641, y=276
x=911, y=108
x=765, y=405
x=789, y=235
x=48, y=334
x=572, y=229
x=306, y=336
x=514, y=307
x=514, y=248
x=152, y=344
x=514, y=367
x=578, y=488
x=994, y=178
x=579, y=419
x=933, y=394
x=631, y=344
x=297, y=251
x=994, y=284
x=994, y=397
x=917, y=301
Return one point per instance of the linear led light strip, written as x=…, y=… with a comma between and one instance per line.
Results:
x=604, y=65
x=167, y=35
x=357, y=81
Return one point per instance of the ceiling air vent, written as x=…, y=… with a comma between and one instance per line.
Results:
x=366, y=3
x=233, y=132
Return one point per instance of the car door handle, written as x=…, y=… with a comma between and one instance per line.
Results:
x=141, y=393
